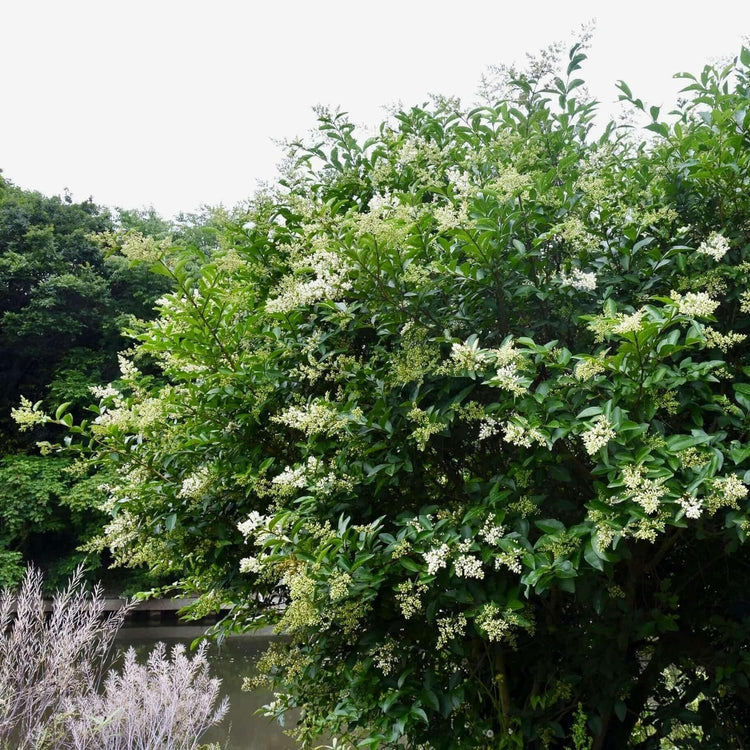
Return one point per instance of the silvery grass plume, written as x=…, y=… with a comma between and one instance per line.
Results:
x=47, y=661
x=166, y=704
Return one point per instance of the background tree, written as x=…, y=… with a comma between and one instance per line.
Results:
x=67, y=290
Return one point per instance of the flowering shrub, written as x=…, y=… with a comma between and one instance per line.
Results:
x=469, y=400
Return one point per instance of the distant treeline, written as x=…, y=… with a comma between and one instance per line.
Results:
x=66, y=294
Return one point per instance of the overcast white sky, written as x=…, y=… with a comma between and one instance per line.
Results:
x=174, y=103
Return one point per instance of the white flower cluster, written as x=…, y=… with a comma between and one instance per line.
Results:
x=384, y=657
x=250, y=565
x=127, y=369
x=338, y=585
x=588, y=368
x=694, y=304
x=436, y=558
x=731, y=488
x=519, y=432
x=509, y=183
x=629, y=323
x=410, y=149
x=194, y=485
x=583, y=281
x=495, y=624
x=468, y=566
x=382, y=203
x=717, y=340
x=254, y=521
x=105, y=391
x=293, y=478
x=27, y=416
x=646, y=492
x=448, y=217
x=506, y=354
x=317, y=417
x=692, y=506
x=450, y=628
x=716, y=246
x=310, y=475
x=508, y=379
x=328, y=282
x=139, y=247
x=468, y=356
x=459, y=181
x=491, y=532
x=598, y=436
x=409, y=596
x=488, y=427
x=511, y=559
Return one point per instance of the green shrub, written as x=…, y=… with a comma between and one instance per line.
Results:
x=476, y=392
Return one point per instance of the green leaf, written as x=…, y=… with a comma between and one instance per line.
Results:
x=591, y=411
x=410, y=565
x=742, y=394
x=389, y=700
x=550, y=525
x=592, y=556
x=431, y=699
x=621, y=710
x=61, y=409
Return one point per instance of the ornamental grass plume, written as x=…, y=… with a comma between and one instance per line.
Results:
x=45, y=662
x=166, y=704
x=51, y=669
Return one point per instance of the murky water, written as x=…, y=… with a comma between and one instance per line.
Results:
x=241, y=729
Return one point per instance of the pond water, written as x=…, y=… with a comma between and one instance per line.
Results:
x=241, y=729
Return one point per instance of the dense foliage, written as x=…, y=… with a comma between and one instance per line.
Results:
x=67, y=289
x=469, y=400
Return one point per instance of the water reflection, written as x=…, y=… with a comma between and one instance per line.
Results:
x=235, y=660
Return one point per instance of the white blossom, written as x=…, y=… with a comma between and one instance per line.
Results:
x=106, y=391
x=291, y=477
x=195, y=484
x=488, y=427
x=254, y=521
x=598, y=436
x=692, y=506
x=250, y=565
x=508, y=379
x=491, y=532
x=583, y=281
x=468, y=356
x=328, y=282
x=469, y=566
x=694, y=304
x=629, y=323
x=520, y=433
x=716, y=246
x=436, y=558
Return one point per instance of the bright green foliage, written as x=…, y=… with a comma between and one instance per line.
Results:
x=476, y=392
x=45, y=513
